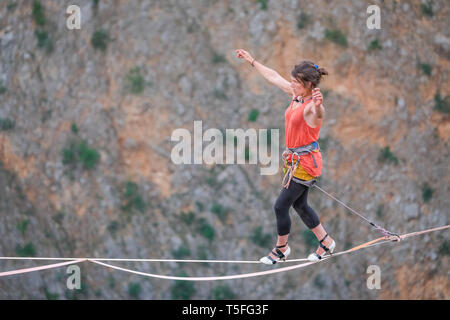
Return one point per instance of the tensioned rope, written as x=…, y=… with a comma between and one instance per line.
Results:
x=51, y=266
x=371, y=243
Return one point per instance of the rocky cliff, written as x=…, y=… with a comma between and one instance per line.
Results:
x=86, y=118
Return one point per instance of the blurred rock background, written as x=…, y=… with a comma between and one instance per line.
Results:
x=86, y=118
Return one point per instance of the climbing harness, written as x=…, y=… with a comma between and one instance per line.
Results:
x=291, y=158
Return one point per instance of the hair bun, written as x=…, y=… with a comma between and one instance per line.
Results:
x=308, y=71
x=322, y=71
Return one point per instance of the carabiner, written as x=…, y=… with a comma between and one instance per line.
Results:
x=292, y=158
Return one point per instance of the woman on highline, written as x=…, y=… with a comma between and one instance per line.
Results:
x=303, y=120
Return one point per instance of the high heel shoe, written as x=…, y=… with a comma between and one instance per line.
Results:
x=316, y=257
x=278, y=254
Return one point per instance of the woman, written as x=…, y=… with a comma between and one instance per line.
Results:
x=303, y=120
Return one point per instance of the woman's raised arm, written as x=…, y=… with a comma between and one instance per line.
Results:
x=271, y=75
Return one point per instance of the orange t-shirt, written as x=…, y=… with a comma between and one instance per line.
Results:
x=299, y=133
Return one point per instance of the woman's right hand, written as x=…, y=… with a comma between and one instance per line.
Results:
x=242, y=54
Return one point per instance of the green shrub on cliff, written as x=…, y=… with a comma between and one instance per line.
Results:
x=303, y=20
x=27, y=250
x=223, y=292
x=181, y=252
x=262, y=4
x=427, y=9
x=374, y=45
x=82, y=153
x=442, y=104
x=259, y=238
x=6, y=124
x=22, y=226
x=2, y=89
x=134, y=290
x=427, y=192
x=205, y=229
x=38, y=13
x=89, y=157
x=132, y=198
x=310, y=239
x=336, y=36
x=100, y=39
x=134, y=81
x=182, y=290
x=386, y=156
x=426, y=68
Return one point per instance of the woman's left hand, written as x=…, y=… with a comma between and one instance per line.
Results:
x=317, y=97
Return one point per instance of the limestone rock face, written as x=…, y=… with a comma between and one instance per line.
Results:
x=86, y=118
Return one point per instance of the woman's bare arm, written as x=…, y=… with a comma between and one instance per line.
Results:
x=317, y=108
x=271, y=75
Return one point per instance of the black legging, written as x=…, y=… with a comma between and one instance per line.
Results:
x=296, y=195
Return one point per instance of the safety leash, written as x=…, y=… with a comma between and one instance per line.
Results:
x=382, y=230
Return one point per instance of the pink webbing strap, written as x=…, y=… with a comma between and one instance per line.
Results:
x=238, y=276
x=49, y=266
x=261, y=273
x=254, y=274
x=404, y=236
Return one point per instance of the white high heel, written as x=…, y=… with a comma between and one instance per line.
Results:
x=316, y=257
x=278, y=254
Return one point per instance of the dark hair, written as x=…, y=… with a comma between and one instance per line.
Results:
x=308, y=71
